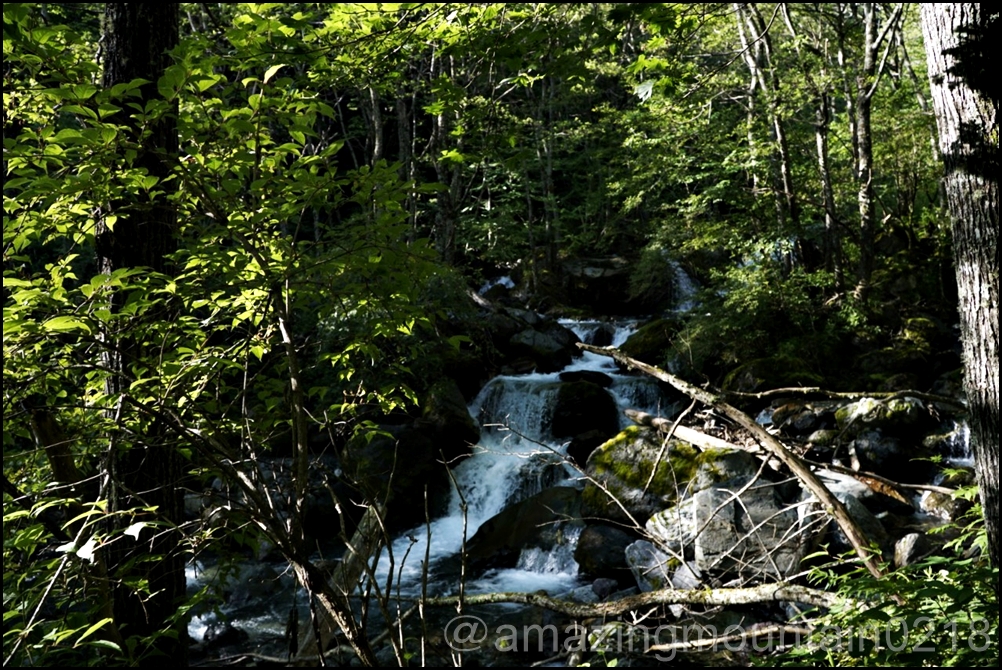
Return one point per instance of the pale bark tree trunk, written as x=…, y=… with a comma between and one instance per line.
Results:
x=867, y=79
x=145, y=472
x=377, y=125
x=820, y=86
x=757, y=50
x=956, y=38
x=832, y=240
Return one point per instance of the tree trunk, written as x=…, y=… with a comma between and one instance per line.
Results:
x=966, y=108
x=757, y=50
x=377, y=126
x=864, y=144
x=866, y=85
x=833, y=239
x=145, y=468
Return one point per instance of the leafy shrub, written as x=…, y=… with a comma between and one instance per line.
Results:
x=941, y=611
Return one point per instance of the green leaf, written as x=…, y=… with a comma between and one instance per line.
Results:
x=107, y=644
x=60, y=324
x=270, y=72
x=93, y=629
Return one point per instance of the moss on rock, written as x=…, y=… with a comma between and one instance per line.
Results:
x=623, y=467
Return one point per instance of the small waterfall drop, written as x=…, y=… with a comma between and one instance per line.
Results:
x=517, y=457
x=685, y=289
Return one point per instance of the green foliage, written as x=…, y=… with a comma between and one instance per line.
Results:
x=941, y=611
x=306, y=289
x=292, y=271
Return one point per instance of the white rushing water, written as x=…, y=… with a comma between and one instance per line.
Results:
x=516, y=458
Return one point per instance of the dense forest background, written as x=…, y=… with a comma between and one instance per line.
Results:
x=266, y=243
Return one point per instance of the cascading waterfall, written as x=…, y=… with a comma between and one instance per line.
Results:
x=517, y=457
x=685, y=289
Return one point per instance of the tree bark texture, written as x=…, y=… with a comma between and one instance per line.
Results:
x=145, y=469
x=137, y=39
x=965, y=95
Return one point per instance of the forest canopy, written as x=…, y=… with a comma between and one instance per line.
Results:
x=237, y=231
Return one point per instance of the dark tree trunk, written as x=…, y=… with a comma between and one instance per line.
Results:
x=137, y=37
x=145, y=467
x=965, y=96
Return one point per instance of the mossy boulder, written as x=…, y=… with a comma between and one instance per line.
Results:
x=652, y=342
x=894, y=416
x=623, y=465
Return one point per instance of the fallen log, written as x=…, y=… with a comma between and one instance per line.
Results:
x=691, y=435
x=780, y=591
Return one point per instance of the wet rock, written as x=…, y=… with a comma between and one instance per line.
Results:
x=601, y=336
x=540, y=521
x=600, y=552
x=562, y=335
x=526, y=316
x=548, y=354
x=593, y=376
x=581, y=407
x=603, y=587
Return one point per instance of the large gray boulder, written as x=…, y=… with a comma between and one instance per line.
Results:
x=741, y=527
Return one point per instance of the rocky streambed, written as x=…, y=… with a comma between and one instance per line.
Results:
x=564, y=495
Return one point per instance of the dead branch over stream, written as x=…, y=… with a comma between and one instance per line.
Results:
x=770, y=444
x=780, y=591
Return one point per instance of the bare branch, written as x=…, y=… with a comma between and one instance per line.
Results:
x=831, y=504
